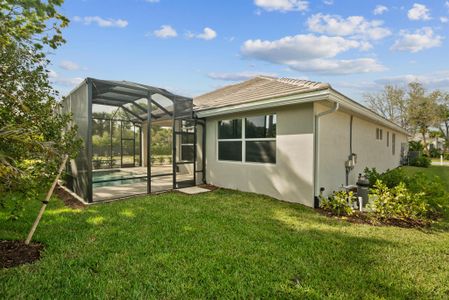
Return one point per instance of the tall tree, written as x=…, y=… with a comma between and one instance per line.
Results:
x=31, y=136
x=443, y=113
x=391, y=103
x=423, y=109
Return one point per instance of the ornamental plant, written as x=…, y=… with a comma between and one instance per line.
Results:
x=339, y=203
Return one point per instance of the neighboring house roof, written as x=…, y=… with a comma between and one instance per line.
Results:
x=263, y=92
x=257, y=88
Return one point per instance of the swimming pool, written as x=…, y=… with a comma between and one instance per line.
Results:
x=116, y=177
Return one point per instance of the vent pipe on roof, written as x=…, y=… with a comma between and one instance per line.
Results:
x=316, y=162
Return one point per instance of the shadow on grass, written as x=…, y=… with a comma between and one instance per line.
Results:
x=220, y=244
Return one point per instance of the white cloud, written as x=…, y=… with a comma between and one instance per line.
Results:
x=444, y=19
x=421, y=39
x=435, y=80
x=311, y=53
x=69, y=65
x=152, y=1
x=57, y=79
x=165, y=32
x=120, y=23
x=380, y=9
x=356, y=26
x=338, y=66
x=328, y=2
x=419, y=12
x=207, y=34
x=447, y=4
x=282, y=5
x=238, y=76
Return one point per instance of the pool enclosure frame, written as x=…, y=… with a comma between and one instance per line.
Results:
x=141, y=104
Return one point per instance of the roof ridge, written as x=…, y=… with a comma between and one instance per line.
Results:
x=302, y=82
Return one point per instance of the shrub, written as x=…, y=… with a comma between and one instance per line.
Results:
x=420, y=161
x=432, y=186
x=372, y=175
x=435, y=153
x=398, y=203
x=339, y=203
x=415, y=146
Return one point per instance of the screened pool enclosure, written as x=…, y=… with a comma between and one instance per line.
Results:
x=137, y=139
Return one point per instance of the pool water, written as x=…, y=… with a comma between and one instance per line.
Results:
x=119, y=177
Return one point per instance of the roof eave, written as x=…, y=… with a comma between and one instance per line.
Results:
x=364, y=111
x=322, y=94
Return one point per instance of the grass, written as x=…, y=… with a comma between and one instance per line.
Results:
x=222, y=244
x=440, y=171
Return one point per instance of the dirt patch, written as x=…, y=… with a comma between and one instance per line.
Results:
x=68, y=199
x=16, y=253
x=364, y=218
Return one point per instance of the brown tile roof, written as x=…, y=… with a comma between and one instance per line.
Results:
x=255, y=89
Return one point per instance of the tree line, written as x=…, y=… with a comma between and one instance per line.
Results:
x=423, y=113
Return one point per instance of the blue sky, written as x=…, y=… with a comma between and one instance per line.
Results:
x=191, y=47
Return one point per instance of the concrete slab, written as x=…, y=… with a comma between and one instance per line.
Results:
x=193, y=190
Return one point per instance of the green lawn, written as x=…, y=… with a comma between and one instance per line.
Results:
x=441, y=171
x=222, y=244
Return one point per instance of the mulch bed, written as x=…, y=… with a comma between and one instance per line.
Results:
x=15, y=253
x=364, y=218
x=68, y=199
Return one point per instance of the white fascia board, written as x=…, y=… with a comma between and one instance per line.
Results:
x=364, y=111
x=267, y=103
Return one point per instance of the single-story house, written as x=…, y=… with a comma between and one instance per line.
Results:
x=293, y=139
x=290, y=139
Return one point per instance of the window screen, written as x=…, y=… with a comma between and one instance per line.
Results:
x=260, y=139
x=261, y=127
x=230, y=150
x=261, y=151
x=256, y=142
x=230, y=129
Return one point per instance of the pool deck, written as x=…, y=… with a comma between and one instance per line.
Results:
x=158, y=184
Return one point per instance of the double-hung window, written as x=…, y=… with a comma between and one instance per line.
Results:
x=251, y=139
x=230, y=140
x=260, y=139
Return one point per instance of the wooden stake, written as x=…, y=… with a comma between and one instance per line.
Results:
x=45, y=202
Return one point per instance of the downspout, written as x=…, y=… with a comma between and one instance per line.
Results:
x=316, y=162
x=347, y=169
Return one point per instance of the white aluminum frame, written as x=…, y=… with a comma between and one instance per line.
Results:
x=243, y=139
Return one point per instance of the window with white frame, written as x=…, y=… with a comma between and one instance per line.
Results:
x=230, y=140
x=252, y=139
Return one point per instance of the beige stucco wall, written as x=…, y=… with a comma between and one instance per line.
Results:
x=291, y=178
x=333, y=138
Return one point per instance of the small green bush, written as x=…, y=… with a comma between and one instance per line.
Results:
x=435, y=153
x=398, y=203
x=432, y=186
x=339, y=203
x=415, y=146
x=420, y=161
